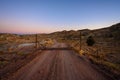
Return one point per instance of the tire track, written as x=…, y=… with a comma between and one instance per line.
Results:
x=58, y=65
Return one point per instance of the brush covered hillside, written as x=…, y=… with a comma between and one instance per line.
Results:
x=106, y=50
x=16, y=50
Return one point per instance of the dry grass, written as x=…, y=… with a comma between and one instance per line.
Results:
x=100, y=55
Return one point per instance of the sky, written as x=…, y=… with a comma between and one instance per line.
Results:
x=46, y=16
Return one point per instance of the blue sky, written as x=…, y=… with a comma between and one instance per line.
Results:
x=44, y=16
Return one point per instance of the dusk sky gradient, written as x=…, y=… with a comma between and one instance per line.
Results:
x=45, y=16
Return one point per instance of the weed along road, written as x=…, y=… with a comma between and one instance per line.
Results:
x=58, y=64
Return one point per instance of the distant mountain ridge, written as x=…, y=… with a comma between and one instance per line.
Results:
x=108, y=32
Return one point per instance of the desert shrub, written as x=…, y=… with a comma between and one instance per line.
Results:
x=90, y=41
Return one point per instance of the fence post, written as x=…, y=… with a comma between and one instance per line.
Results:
x=36, y=40
x=80, y=41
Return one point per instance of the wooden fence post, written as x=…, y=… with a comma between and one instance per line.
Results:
x=36, y=40
x=80, y=41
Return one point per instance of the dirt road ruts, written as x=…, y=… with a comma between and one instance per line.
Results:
x=58, y=65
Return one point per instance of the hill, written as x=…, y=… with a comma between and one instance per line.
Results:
x=105, y=53
x=106, y=50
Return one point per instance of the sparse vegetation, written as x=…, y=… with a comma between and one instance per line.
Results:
x=103, y=50
x=15, y=50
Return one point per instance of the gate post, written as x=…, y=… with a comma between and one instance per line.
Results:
x=80, y=41
x=36, y=41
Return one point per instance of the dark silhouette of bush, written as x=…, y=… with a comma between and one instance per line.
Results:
x=90, y=41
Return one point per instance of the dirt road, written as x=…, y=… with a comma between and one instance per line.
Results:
x=58, y=65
